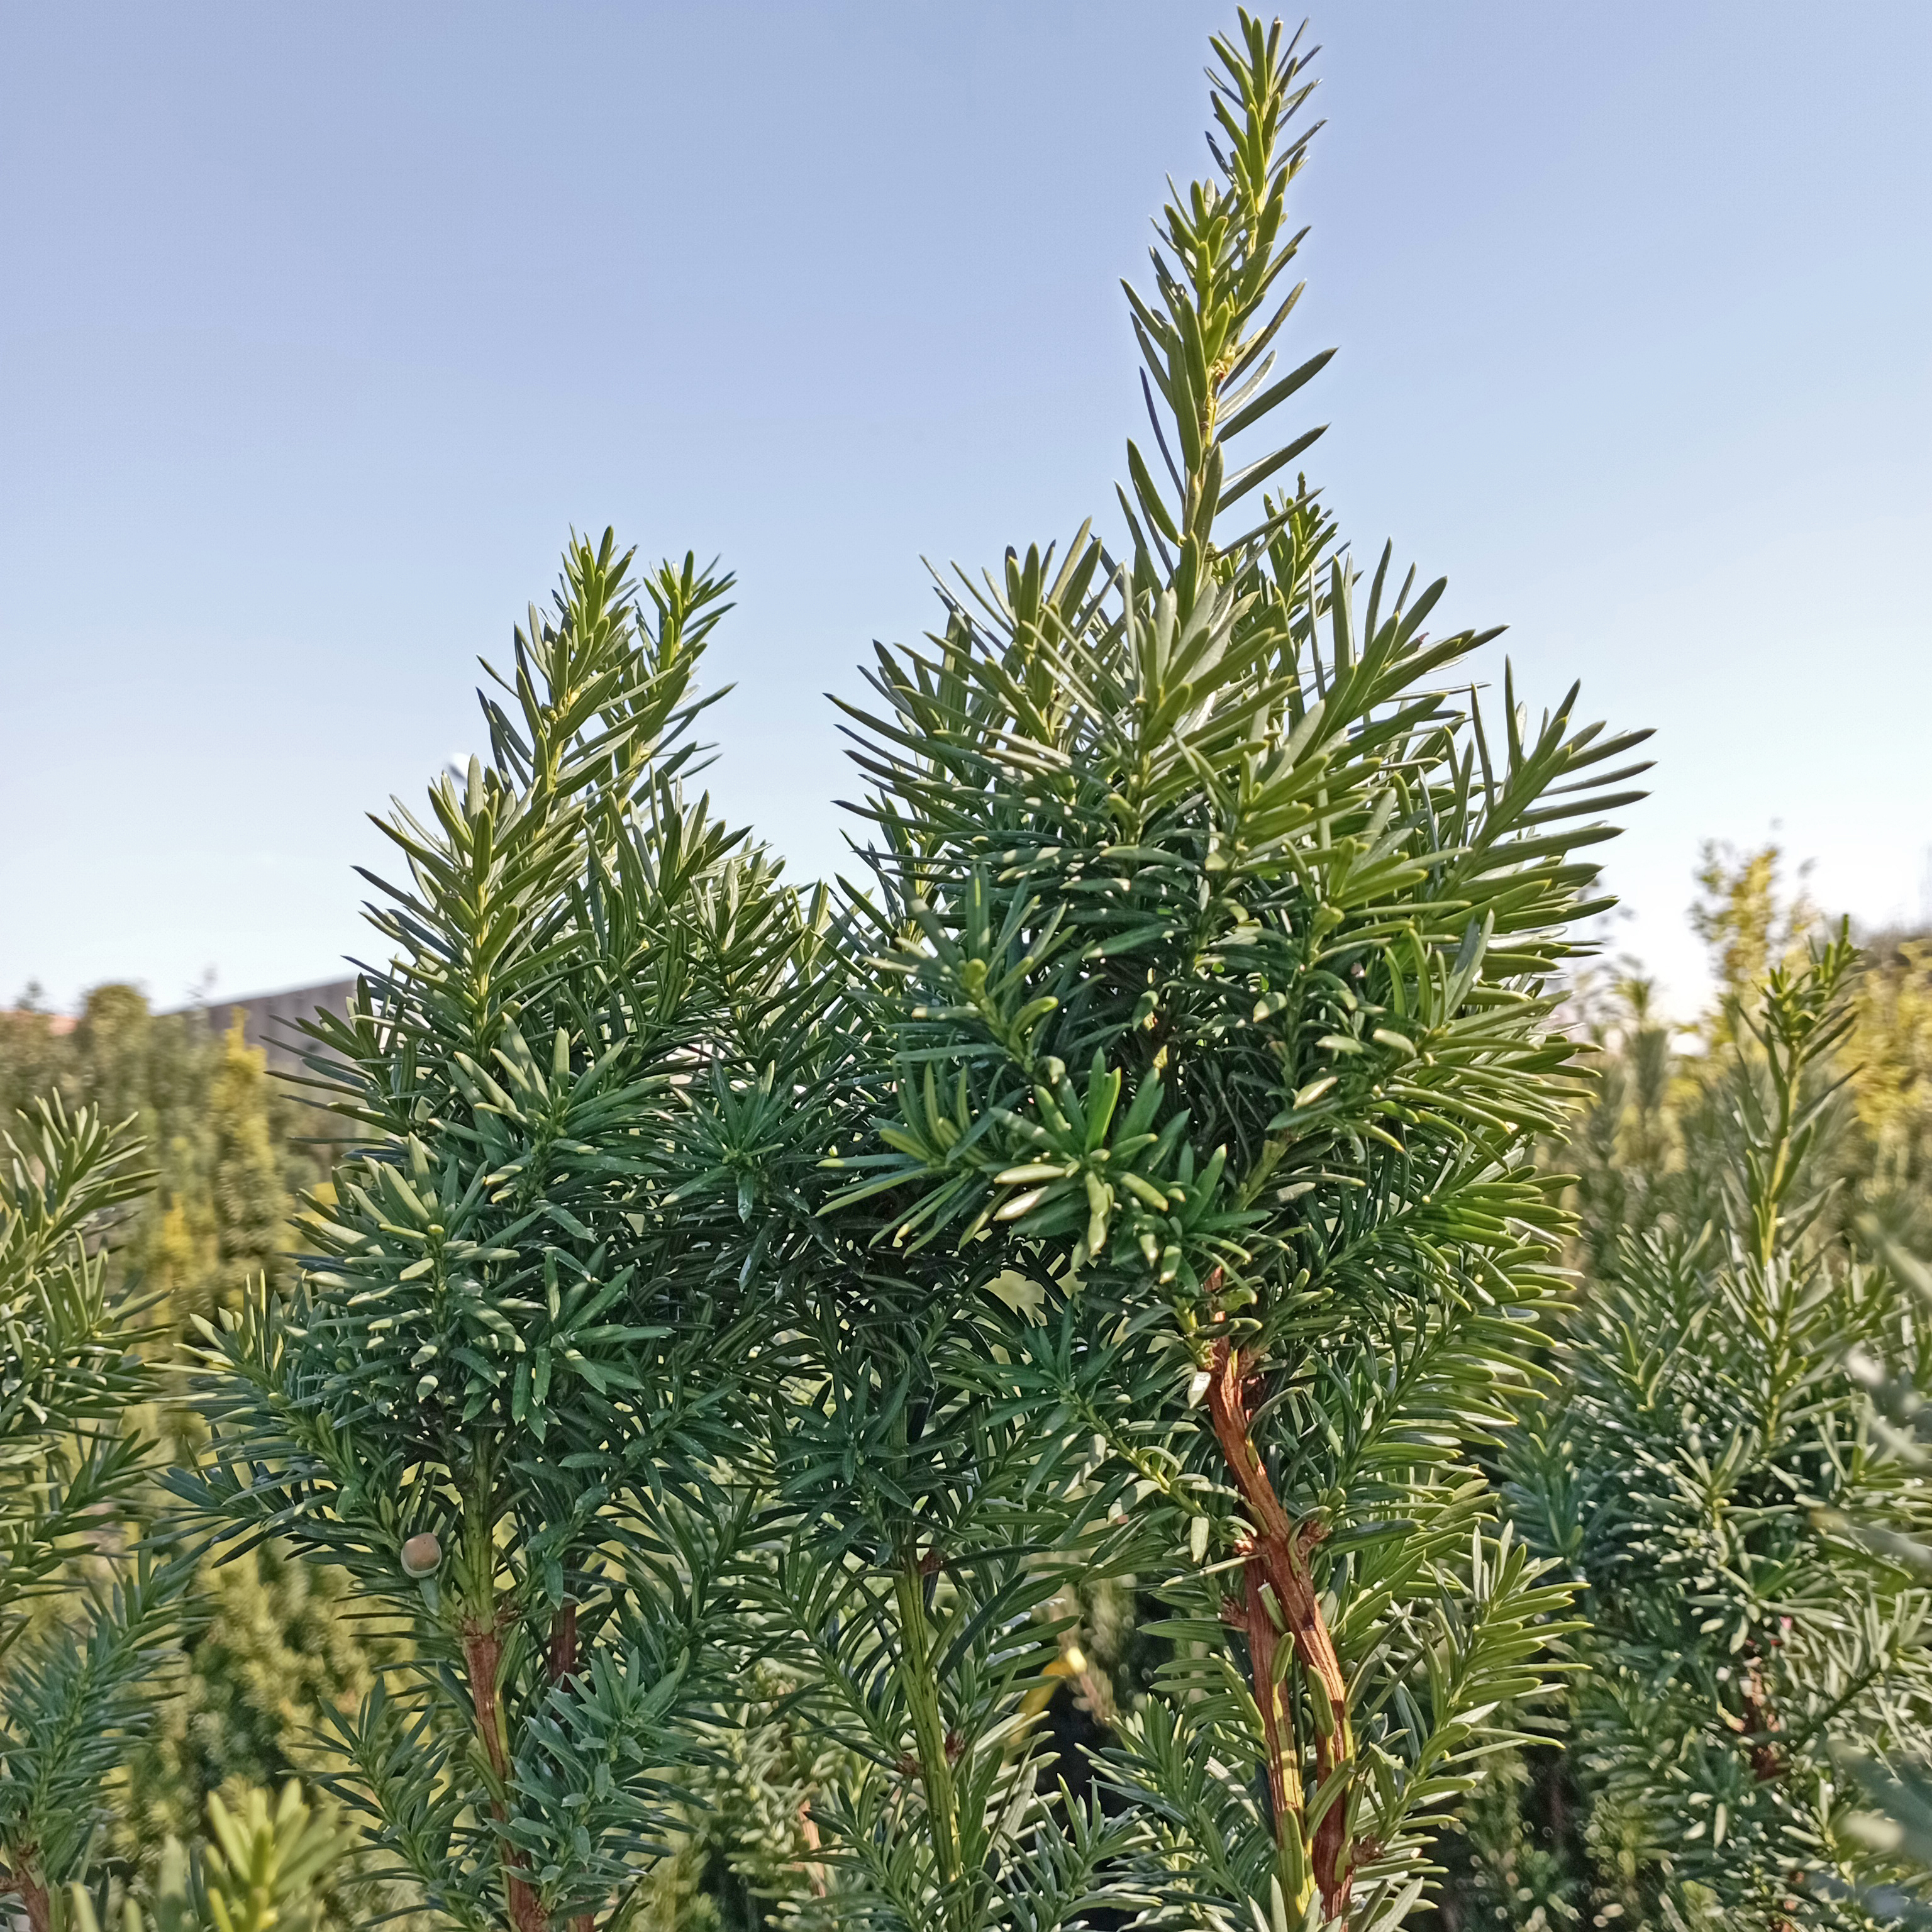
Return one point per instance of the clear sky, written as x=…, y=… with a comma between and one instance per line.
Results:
x=319, y=327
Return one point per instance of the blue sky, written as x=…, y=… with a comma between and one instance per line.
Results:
x=320, y=327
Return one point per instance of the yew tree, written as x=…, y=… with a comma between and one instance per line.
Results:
x=1751, y=1536
x=1228, y=922
x=500, y=1397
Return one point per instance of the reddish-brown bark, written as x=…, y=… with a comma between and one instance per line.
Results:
x=1280, y=1552
x=1285, y=1795
x=483, y=1660
x=563, y=1642
x=563, y=1667
x=23, y=1880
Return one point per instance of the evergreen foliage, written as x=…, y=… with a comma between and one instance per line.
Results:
x=975, y=1399
x=1890, y=1150
x=1679, y=1343
x=229, y=1150
x=1135, y=1179
x=274, y=1646
x=258, y=1870
x=1900, y=1830
x=497, y=1398
x=1699, y=1475
x=266, y=1647
x=1648, y=1150
x=73, y=1678
x=1226, y=943
x=248, y=1175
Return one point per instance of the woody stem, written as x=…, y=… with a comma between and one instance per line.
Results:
x=482, y=1663
x=480, y=1630
x=23, y=1880
x=1284, y=1770
x=928, y=1727
x=1280, y=1550
x=563, y=1666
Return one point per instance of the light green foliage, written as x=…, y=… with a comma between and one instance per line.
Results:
x=1892, y=1088
x=241, y=1690
x=1749, y=924
x=1899, y=1832
x=246, y=1177
x=227, y=1145
x=258, y=1870
x=1655, y=1154
x=32, y=1049
x=72, y=1369
x=1625, y=1154
x=125, y=1063
x=1650, y=1149
x=1710, y=1474
x=274, y=1644
x=752, y=1855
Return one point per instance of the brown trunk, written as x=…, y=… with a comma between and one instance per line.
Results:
x=23, y=1879
x=1281, y=1550
x=563, y=1667
x=483, y=1659
x=1284, y=1777
x=563, y=1642
x=1760, y=1727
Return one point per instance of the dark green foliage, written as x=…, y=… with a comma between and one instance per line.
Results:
x=76, y=1698
x=1226, y=939
x=839, y=1298
x=504, y=1342
x=921, y=1520
x=1514, y=1858
x=936, y=1521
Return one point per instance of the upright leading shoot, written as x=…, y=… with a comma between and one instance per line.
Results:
x=1228, y=938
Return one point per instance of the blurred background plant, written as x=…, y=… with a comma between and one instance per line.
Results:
x=232, y=1147
x=223, y=1671
x=258, y=1870
x=1750, y=1190
x=88, y=1607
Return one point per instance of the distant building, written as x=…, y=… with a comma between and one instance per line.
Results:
x=269, y=1020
